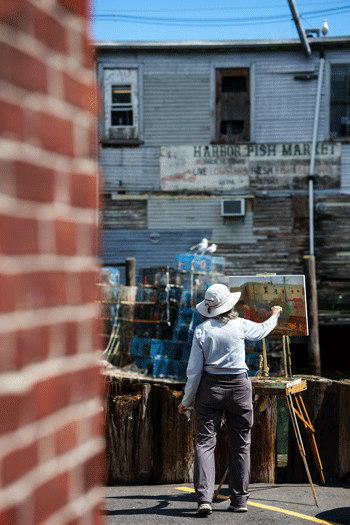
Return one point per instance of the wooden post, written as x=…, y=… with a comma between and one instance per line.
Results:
x=311, y=290
x=263, y=449
x=130, y=271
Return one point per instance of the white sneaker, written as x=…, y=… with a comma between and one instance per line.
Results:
x=204, y=509
x=242, y=508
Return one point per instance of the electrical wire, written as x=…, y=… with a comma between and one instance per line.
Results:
x=213, y=22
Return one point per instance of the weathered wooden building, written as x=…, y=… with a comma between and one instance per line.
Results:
x=215, y=139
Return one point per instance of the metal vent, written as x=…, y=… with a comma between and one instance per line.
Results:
x=232, y=207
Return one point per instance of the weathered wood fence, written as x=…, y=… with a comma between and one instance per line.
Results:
x=149, y=442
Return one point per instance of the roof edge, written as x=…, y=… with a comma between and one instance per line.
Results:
x=341, y=41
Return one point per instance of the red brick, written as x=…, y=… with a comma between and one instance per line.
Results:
x=15, y=13
x=66, y=237
x=10, y=413
x=34, y=182
x=86, y=384
x=88, y=286
x=97, y=515
x=33, y=345
x=83, y=190
x=11, y=121
x=93, y=143
x=19, y=462
x=8, y=516
x=96, y=334
x=71, y=338
x=52, y=394
x=18, y=236
x=98, y=421
x=78, y=7
x=89, y=58
x=80, y=94
x=23, y=69
x=40, y=289
x=7, y=297
x=93, y=471
x=66, y=438
x=56, y=134
x=50, y=31
x=15, y=410
x=96, y=240
x=50, y=497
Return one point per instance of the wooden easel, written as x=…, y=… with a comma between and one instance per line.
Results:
x=287, y=388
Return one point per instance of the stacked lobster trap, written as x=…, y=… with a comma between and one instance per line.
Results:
x=149, y=327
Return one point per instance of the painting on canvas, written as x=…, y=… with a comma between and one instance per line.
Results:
x=260, y=293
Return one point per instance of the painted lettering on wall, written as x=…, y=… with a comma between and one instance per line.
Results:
x=227, y=167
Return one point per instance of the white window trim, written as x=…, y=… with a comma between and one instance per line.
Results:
x=105, y=65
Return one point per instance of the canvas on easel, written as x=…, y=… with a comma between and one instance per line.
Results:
x=260, y=292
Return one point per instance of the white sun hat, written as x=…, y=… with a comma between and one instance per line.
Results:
x=217, y=300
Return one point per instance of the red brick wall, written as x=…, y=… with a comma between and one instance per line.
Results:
x=51, y=442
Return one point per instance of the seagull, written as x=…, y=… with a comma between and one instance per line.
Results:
x=325, y=28
x=211, y=248
x=200, y=247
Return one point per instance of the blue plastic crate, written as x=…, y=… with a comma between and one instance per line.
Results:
x=218, y=264
x=180, y=333
x=185, y=351
x=172, y=349
x=164, y=367
x=185, y=299
x=185, y=316
x=253, y=361
x=144, y=364
x=196, y=319
x=161, y=367
x=179, y=369
x=157, y=347
x=189, y=262
x=140, y=347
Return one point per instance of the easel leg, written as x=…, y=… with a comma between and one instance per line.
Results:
x=311, y=433
x=221, y=483
x=300, y=442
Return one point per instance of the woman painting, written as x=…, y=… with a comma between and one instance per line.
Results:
x=217, y=379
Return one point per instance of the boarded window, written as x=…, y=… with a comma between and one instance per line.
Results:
x=232, y=105
x=340, y=101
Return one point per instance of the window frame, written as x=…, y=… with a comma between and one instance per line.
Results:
x=232, y=65
x=334, y=62
x=127, y=134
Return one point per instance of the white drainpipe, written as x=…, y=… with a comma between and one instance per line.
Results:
x=312, y=158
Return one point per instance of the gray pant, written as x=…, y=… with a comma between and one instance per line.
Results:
x=232, y=394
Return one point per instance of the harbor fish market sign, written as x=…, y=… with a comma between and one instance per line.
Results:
x=227, y=167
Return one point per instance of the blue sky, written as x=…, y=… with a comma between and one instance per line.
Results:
x=208, y=20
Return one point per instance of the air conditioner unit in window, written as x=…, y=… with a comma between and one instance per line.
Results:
x=232, y=207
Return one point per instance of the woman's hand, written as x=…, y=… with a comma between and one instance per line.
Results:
x=182, y=409
x=276, y=310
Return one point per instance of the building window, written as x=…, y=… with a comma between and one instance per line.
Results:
x=340, y=101
x=121, y=105
x=232, y=105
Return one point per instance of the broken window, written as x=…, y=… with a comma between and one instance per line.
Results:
x=121, y=104
x=340, y=100
x=232, y=105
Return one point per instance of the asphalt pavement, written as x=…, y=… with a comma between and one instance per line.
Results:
x=280, y=504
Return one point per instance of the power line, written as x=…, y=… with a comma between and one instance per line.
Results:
x=201, y=9
x=202, y=22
